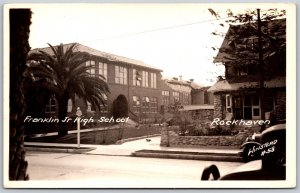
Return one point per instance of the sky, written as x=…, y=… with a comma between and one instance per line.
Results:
x=176, y=38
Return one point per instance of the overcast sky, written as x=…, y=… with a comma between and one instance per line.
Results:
x=176, y=38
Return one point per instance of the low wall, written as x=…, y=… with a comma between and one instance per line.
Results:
x=170, y=137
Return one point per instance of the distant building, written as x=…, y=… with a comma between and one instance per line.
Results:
x=186, y=95
x=201, y=96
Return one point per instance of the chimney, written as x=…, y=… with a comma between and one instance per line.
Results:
x=220, y=78
x=191, y=79
x=180, y=77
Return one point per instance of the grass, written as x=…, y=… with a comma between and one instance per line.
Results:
x=109, y=136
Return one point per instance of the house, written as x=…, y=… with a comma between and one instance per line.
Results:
x=240, y=92
x=137, y=84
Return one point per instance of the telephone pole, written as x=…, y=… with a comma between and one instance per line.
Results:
x=261, y=68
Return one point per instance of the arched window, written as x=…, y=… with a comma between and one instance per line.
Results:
x=51, y=105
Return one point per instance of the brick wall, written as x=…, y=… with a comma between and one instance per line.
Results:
x=128, y=90
x=169, y=137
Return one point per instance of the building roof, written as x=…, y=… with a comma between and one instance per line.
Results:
x=204, y=88
x=224, y=85
x=178, y=81
x=223, y=56
x=195, y=107
x=108, y=56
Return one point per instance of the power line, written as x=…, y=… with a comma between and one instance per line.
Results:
x=155, y=30
x=160, y=29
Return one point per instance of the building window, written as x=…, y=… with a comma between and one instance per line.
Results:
x=120, y=75
x=103, y=70
x=145, y=104
x=70, y=106
x=228, y=103
x=51, y=106
x=91, y=70
x=104, y=107
x=185, y=98
x=165, y=97
x=137, y=78
x=89, y=106
x=206, y=97
x=145, y=79
x=252, y=43
x=176, y=97
x=153, y=104
x=153, y=80
x=136, y=104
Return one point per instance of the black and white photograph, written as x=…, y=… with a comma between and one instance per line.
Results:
x=149, y=95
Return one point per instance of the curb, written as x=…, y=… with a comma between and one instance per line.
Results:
x=119, y=142
x=59, y=149
x=189, y=156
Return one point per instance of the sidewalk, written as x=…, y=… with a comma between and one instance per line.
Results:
x=142, y=148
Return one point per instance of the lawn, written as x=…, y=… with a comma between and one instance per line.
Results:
x=107, y=136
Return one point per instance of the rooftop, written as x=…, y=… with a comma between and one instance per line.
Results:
x=224, y=85
x=180, y=81
x=108, y=56
x=195, y=107
x=275, y=27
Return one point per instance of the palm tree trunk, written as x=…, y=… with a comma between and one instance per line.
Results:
x=19, y=47
x=62, y=113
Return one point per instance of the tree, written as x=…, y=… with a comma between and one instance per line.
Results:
x=20, y=20
x=65, y=73
x=242, y=38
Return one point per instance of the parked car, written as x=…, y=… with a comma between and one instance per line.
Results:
x=247, y=147
x=251, y=143
x=270, y=166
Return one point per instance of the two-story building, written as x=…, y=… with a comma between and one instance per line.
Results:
x=136, y=83
x=240, y=92
x=139, y=86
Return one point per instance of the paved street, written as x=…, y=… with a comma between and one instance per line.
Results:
x=128, y=147
x=118, y=171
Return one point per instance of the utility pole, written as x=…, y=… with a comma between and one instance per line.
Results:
x=261, y=68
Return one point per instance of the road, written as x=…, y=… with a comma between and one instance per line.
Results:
x=107, y=171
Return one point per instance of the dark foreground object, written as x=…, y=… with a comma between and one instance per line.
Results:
x=271, y=166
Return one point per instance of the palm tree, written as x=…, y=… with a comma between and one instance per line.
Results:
x=65, y=73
